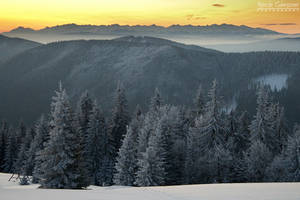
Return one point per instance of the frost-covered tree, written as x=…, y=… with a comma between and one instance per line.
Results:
x=151, y=167
x=148, y=122
x=178, y=129
x=219, y=162
x=11, y=152
x=61, y=155
x=241, y=139
x=97, y=148
x=144, y=133
x=119, y=120
x=204, y=141
x=292, y=156
x=85, y=107
x=19, y=137
x=4, y=128
x=192, y=169
x=19, y=165
x=238, y=144
x=156, y=101
x=257, y=158
x=261, y=128
x=232, y=125
x=126, y=165
x=278, y=169
x=280, y=127
x=212, y=126
x=33, y=162
x=199, y=102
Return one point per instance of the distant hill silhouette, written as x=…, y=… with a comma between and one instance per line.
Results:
x=116, y=29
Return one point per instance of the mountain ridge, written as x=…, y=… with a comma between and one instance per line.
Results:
x=172, y=29
x=11, y=46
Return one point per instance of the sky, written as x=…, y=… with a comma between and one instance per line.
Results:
x=38, y=14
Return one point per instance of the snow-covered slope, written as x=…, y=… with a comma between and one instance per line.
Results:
x=140, y=63
x=253, y=191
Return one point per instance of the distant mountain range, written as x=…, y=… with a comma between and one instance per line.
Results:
x=28, y=79
x=145, y=30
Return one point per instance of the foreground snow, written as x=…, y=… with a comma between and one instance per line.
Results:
x=256, y=191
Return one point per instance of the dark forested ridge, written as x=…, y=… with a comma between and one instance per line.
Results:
x=141, y=64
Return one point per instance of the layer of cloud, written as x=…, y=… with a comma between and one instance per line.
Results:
x=218, y=5
x=280, y=24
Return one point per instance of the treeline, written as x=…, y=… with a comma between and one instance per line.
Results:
x=167, y=145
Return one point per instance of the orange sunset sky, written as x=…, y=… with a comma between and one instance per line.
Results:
x=40, y=13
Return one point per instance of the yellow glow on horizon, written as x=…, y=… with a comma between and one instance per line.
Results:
x=38, y=14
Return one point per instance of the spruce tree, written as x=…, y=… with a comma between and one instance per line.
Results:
x=3, y=142
x=204, y=141
x=97, y=147
x=219, y=164
x=33, y=162
x=156, y=101
x=61, y=155
x=126, y=165
x=213, y=129
x=293, y=157
x=20, y=134
x=261, y=128
x=11, y=152
x=199, y=102
x=152, y=165
x=241, y=139
x=278, y=169
x=85, y=107
x=177, y=152
x=280, y=128
x=20, y=164
x=144, y=133
x=120, y=119
x=238, y=145
x=257, y=158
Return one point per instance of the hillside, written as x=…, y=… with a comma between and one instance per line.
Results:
x=142, y=64
x=13, y=46
x=257, y=191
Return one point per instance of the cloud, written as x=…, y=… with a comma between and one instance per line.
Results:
x=280, y=24
x=218, y=5
x=194, y=17
x=288, y=24
x=189, y=17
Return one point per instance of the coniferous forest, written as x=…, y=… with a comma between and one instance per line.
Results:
x=73, y=147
